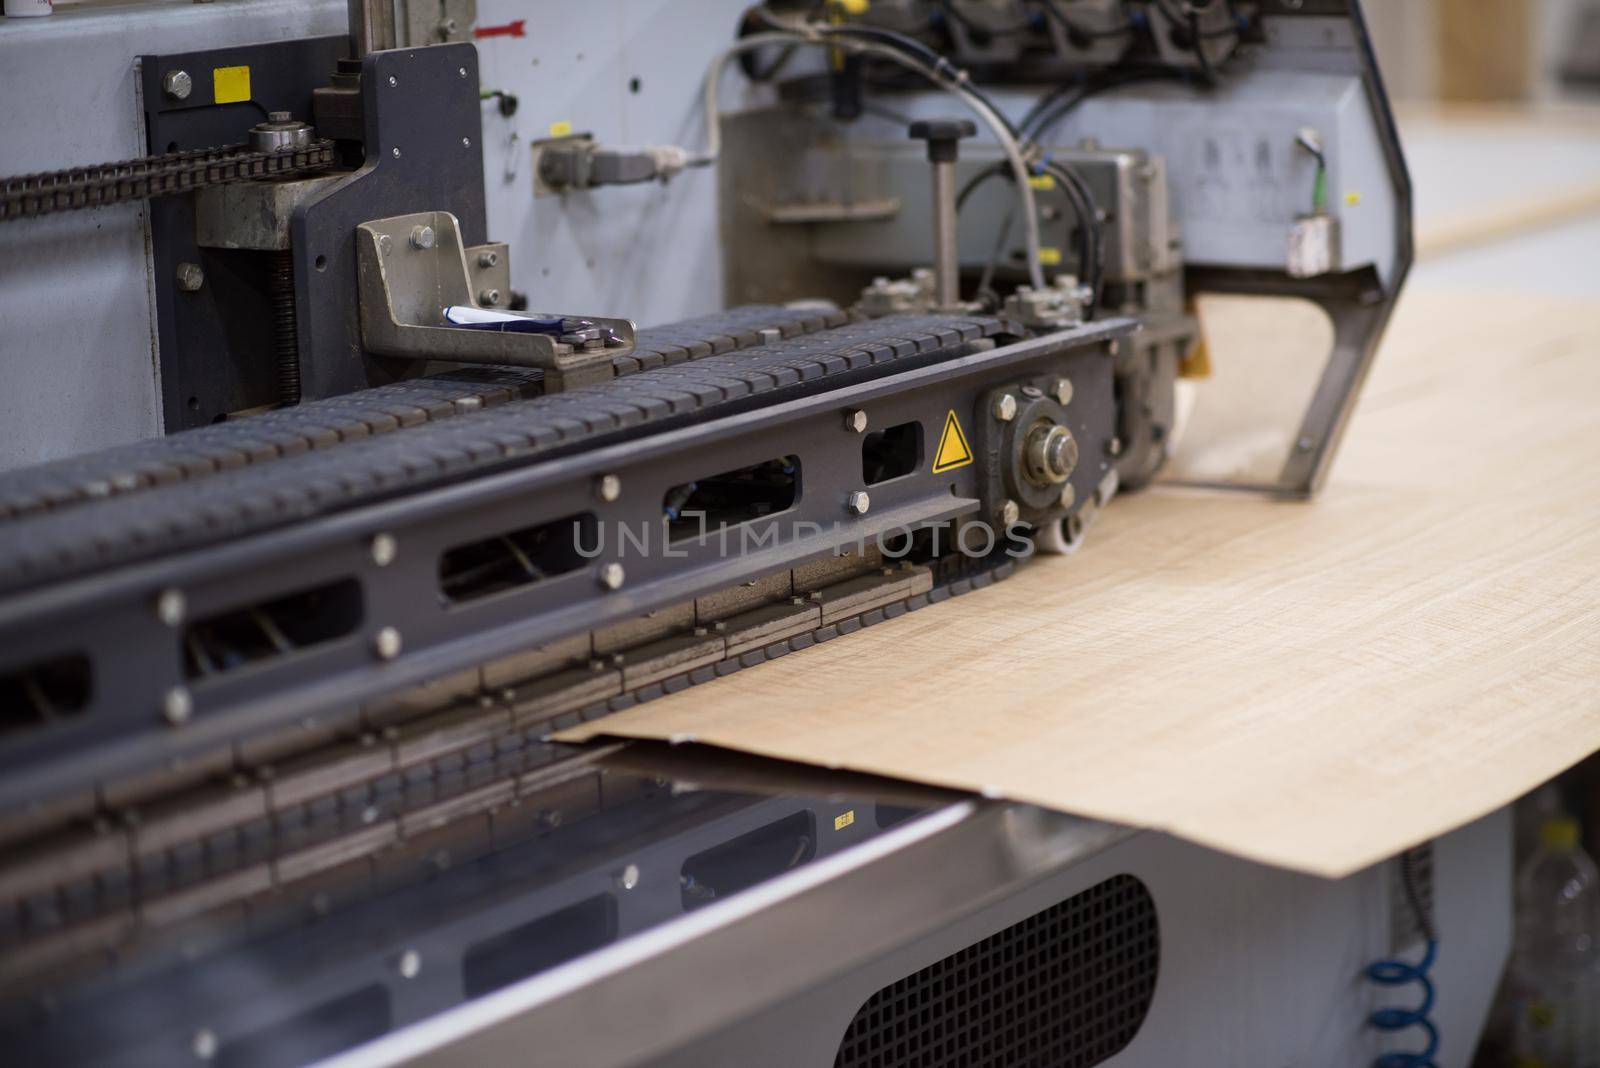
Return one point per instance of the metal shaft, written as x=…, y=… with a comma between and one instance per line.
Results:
x=371, y=26
x=946, y=268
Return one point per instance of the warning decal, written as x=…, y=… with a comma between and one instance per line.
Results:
x=953, y=448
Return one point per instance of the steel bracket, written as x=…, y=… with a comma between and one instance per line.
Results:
x=406, y=283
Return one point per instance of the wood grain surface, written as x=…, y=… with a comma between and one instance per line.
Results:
x=1311, y=685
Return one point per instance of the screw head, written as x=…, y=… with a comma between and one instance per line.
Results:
x=177, y=84
x=855, y=420
x=1063, y=391
x=466, y=142
x=190, y=277
x=1114, y=446
x=204, y=1044
x=385, y=244
x=410, y=964
x=461, y=71
x=393, y=80
x=489, y=297
x=386, y=643
x=422, y=237
x=611, y=576
x=629, y=877
x=383, y=548
x=395, y=151
x=608, y=488
x=1005, y=407
x=1069, y=496
x=858, y=502
x=1010, y=513
x=488, y=259
x=177, y=706
x=171, y=606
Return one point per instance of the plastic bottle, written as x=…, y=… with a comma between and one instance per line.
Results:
x=1555, y=966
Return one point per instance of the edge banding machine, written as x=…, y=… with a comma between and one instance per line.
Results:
x=314, y=527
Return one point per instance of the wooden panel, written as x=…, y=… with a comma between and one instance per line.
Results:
x=1315, y=685
x=1485, y=49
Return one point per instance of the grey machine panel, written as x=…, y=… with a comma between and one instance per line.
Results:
x=82, y=370
x=1277, y=955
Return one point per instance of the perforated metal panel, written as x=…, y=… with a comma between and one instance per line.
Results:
x=1065, y=988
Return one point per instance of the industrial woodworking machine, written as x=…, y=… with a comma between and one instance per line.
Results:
x=339, y=476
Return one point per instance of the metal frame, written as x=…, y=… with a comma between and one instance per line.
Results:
x=138, y=660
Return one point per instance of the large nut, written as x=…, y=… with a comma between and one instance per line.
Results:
x=1050, y=454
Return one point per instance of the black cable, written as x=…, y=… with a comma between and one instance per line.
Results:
x=1091, y=254
x=1067, y=102
x=1091, y=248
x=1208, y=73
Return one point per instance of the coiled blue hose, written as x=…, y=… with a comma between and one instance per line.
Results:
x=1395, y=972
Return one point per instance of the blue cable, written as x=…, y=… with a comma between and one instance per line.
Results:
x=1395, y=972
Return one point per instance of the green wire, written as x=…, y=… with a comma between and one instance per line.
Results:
x=1319, y=191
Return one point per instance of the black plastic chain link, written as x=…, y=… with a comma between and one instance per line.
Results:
x=30, y=195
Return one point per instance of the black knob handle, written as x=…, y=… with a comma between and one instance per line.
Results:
x=943, y=137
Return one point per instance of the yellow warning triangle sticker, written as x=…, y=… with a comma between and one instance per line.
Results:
x=953, y=448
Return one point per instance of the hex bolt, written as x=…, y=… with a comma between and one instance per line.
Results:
x=386, y=643
x=629, y=877
x=190, y=277
x=171, y=606
x=488, y=259
x=1049, y=454
x=177, y=706
x=1063, y=391
x=611, y=576
x=383, y=548
x=280, y=116
x=1005, y=407
x=856, y=420
x=608, y=488
x=1114, y=446
x=410, y=964
x=177, y=84
x=1010, y=513
x=489, y=297
x=422, y=237
x=858, y=502
x=1113, y=347
x=204, y=1044
x=1069, y=496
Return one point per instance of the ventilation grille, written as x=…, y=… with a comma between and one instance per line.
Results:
x=1065, y=988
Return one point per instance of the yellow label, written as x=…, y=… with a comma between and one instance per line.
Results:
x=843, y=820
x=229, y=85
x=1048, y=256
x=560, y=129
x=1043, y=182
x=1352, y=198
x=953, y=448
x=854, y=7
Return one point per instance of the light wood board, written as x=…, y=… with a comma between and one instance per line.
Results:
x=1315, y=686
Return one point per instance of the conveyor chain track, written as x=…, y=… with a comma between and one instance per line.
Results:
x=367, y=413
x=383, y=792
x=29, y=195
x=188, y=514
